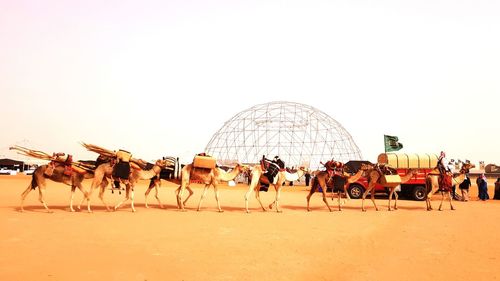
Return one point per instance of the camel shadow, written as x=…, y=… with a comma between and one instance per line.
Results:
x=41, y=209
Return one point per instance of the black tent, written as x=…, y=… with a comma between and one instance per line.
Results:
x=12, y=164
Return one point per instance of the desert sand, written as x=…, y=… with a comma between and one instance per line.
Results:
x=166, y=244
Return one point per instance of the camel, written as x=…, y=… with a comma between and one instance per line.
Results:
x=104, y=172
x=155, y=182
x=210, y=177
x=55, y=171
x=375, y=177
x=323, y=177
x=39, y=180
x=258, y=178
x=432, y=184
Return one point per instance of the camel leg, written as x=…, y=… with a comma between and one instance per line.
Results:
x=96, y=182
x=278, y=193
x=202, y=196
x=72, y=196
x=311, y=192
x=247, y=196
x=339, y=194
x=363, y=199
x=23, y=196
x=191, y=192
x=158, y=197
x=80, y=187
x=177, y=192
x=451, y=205
x=179, y=198
x=396, y=196
x=428, y=201
x=41, y=191
x=127, y=197
x=102, y=189
x=257, y=196
x=429, y=195
x=217, y=199
x=372, y=197
x=324, y=198
x=348, y=198
x=146, y=196
x=132, y=198
x=442, y=199
x=390, y=198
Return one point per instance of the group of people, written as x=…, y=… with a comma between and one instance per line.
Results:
x=445, y=168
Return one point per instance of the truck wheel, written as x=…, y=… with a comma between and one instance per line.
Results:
x=355, y=191
x=418, y=193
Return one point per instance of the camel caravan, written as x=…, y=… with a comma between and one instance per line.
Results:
x=119, y=168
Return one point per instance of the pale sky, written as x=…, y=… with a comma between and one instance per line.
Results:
x=161, y=77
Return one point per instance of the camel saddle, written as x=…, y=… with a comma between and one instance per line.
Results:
x=271, y=170
x=445, y=182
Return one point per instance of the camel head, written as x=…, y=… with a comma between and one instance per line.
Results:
x=466, y=167
x=241, y=168
x=161, y=163
x=245, y=168
x=366, y=166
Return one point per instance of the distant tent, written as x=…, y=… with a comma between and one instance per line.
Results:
x=12, y=164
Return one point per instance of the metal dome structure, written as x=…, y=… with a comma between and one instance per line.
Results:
x=300, y=134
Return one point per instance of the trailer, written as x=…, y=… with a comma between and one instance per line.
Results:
x=402, y=162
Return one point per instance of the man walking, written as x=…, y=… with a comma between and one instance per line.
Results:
x=464, y=188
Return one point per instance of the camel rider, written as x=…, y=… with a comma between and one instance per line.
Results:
x=443, y=164
x=279, y=162
x=272, y=167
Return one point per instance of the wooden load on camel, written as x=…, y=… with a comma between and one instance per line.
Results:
x=204, y=161
x=126, y=156
x=60, y=158
x=388, y=180
x=123, y=155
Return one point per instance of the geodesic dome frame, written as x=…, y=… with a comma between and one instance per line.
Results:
x=300, y=134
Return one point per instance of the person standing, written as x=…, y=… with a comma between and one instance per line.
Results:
x=497, y=190
x=307, y=175
x=464, y=188
x=482, y=186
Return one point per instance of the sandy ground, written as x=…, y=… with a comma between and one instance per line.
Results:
x=166, y=244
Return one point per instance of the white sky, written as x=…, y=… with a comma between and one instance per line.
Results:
x=161, y=77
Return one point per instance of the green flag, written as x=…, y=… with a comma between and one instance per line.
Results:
x=391, y=143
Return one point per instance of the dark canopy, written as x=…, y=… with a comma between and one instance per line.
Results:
x=10, y=163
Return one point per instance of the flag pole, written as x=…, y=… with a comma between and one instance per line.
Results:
x=385, y=146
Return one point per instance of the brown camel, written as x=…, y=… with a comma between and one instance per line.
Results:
x=155, y=182
x=210, y=177
x=259, y=178
x=38, y=179
x=104, y=172
x=323, y=177
x=432, y=184
x=375, y=177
